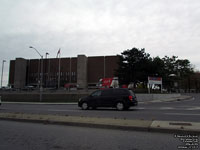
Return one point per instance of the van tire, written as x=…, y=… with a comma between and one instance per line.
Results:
x=120, y=106
x=84, y=106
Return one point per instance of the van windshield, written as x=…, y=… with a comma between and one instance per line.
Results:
x=96, y=93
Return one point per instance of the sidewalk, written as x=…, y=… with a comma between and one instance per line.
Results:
x=109, y=123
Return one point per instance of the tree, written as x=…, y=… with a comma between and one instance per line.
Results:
x=157, y=67
x=134, y=66
x=176, y=69
x=184, y=68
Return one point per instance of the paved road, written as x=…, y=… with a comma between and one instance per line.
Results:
x=33, y=136
x=174, y=111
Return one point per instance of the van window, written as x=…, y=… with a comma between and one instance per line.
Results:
x=96, y=93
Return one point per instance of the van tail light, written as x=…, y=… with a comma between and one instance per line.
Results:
x=130, y=98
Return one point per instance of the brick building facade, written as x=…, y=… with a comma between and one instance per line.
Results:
x=81, y=70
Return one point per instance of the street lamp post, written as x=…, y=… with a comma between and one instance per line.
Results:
x=46, y=71
x=171, y=81
x=2, y=72
x=47, y=54
x=41, y=76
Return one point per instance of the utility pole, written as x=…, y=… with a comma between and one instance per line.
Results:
x=46, y=70
x=2, y=72
x=41, y=76
x=58, y=68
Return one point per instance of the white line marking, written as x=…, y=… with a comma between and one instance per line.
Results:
x=166, y=108
x=182, y=114
x=140, y=108
x=194, y=108
x=63, y=110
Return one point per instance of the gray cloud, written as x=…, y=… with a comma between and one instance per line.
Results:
x=96, y=27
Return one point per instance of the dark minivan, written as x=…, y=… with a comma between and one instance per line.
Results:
x=119, y=98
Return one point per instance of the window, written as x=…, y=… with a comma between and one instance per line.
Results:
x=95, y=94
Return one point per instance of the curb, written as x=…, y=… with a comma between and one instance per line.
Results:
x=108, y=123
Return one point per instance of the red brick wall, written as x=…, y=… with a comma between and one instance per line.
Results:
x=111, y=65
x=95, y=70
x=96, y=67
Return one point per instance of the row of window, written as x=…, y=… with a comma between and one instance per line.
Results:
x=54, y=74
x=64, y=77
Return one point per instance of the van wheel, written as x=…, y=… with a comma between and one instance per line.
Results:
x=84, y=106
x=120, y=106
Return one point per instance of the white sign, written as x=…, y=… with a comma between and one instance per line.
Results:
x=155, y=80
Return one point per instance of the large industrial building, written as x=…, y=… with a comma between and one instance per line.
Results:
x=57, y=72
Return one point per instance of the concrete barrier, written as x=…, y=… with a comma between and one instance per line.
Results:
x=150, y=97
x=45, y=97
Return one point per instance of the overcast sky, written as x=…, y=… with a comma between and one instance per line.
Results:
x=99, y=27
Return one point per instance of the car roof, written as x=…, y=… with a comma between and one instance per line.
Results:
x=115, y=89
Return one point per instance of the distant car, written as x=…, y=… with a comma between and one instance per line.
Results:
x=112, y=97
x=28, y=88
x=5, y=88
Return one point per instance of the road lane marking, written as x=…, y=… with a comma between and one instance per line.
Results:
x=182, y=114
x=140, y=108
x=193, y=108
x=166, y=108
x=62, y=110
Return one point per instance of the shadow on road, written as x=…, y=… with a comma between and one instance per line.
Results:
x=110, y=109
